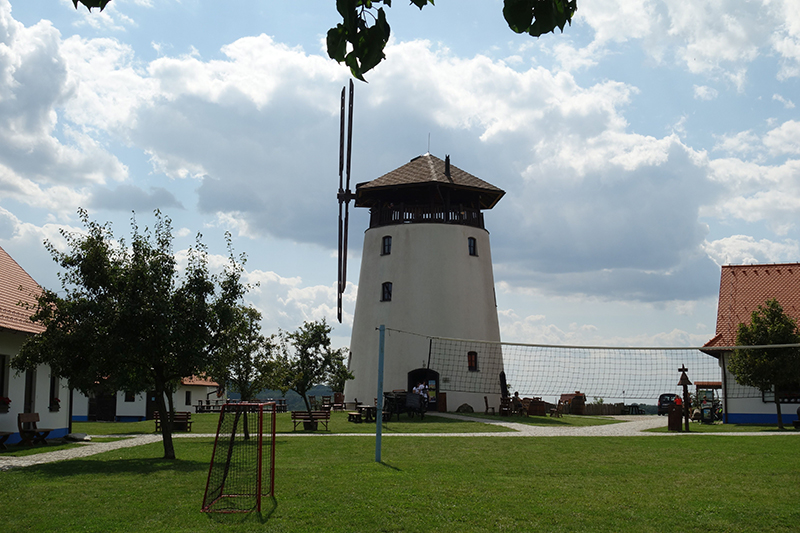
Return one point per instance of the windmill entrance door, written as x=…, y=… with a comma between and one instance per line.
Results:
x=431, y=380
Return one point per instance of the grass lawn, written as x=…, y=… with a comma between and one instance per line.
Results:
x=445, y=484
x=207, y=423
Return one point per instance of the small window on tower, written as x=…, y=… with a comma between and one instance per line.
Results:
x=473, y=246
x=386, y=249
x=386, y=293
x=472, y=361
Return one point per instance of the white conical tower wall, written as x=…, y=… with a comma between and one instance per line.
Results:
x=438, y=289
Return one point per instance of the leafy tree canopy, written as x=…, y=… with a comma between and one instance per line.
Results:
x=91, y=3
x=126, y=318
x=359, y=40
x=775, y=369
x=244, y=357
x=305, y=359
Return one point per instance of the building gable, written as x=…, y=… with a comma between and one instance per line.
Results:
x=743, y=288
x=16, y=287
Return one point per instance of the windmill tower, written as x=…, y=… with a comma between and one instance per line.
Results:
x=426, y=268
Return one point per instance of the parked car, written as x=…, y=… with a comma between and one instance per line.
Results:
x=664, y=401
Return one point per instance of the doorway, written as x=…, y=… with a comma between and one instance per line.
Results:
x=103, y=407
x=431, y=379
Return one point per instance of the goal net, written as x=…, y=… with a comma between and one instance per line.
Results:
x=242, y=466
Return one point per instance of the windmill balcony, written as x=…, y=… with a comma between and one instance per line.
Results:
x=414, y=214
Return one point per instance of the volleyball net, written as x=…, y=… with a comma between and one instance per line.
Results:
x=611, y=373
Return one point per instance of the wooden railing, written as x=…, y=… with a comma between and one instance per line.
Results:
x=403, y=214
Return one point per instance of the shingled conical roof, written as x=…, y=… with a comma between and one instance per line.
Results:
x=423, y=173
x=16, y=286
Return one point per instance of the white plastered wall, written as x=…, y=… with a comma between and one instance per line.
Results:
x=438, y=289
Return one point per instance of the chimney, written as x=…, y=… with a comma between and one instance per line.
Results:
x=447, y=166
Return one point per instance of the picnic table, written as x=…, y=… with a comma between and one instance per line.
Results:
x=369, y=412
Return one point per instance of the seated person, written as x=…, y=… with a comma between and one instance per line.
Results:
x=516, y=403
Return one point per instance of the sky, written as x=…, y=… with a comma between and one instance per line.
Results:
x=646, y=146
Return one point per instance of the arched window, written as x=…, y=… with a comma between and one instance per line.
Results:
x=386, y=247
x=472, y=244
x=386, y=292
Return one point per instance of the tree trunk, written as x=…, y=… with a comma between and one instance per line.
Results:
x=778, y=408
x=166, y=422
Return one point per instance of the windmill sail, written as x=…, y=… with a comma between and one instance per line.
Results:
x=344, y=195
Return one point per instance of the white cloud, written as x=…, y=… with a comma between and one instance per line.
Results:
x=746, y=250
x=618, y=20
x=35, y=80
x=704, y=92
x=788, y=104
x=535, y=329
x=784, y=139
x=741, y=143
x=786, y=41
x=717, y=38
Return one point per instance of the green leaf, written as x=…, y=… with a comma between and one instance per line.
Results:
x=518, y=14
x=536, y=17
x=337, y=43
x=355, y=69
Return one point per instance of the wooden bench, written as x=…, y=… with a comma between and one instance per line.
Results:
x=3, y=438
x=299, y=417
x=28, y=430
x=180, y=420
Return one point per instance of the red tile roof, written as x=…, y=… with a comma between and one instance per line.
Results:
x=742, y=288
x=16, y=286
x=195, y=380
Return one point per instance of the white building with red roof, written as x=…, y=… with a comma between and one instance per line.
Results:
x=40, y=392
x=742, y=289
x=35, y=391
x=194, y=394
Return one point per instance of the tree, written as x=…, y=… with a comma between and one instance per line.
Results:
x=92, y=3
x=775, y=369
x=244, y=357
x=339, y=374
x=359, y=40
x=305, y=359
x=127, y=319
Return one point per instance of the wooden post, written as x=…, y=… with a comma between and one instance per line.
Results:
x=684, y=382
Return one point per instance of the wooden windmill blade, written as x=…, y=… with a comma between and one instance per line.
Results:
x=344, y=195
x=347, y=186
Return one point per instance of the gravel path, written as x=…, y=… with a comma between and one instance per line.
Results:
x=629, y=426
